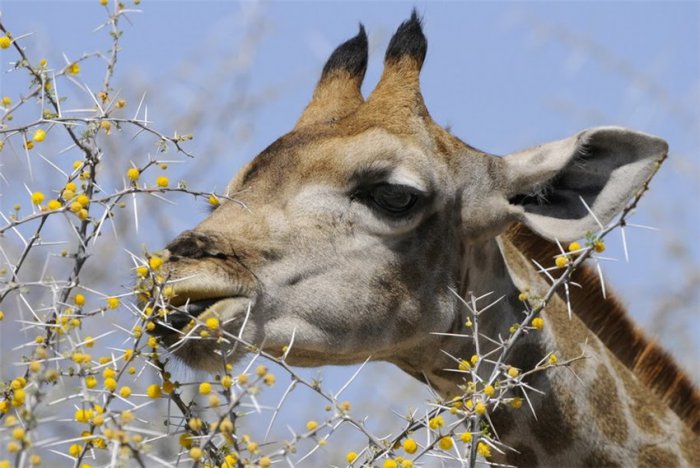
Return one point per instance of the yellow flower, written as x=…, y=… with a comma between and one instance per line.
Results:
x=79, y=300
x=265, y=462
x=599, y=246
x=205, y=388
x=162, y=181
x=5, y=42
x=73, y=68
x=252, y=447
x=212, y=323
x=269, y=380
x=74, y=450
x=152, y=342
x=185, y=440
x=89, y=342
x=261, y=370
x=196, y=453
x=553, y=358
x=242, y=379
x=108, y=371
x=90, y=381
x=474, y=359
x=466, y=437
x=406, y=464
x=34, y=366
x=574, y=246
x=39, y=135
x=37, y=198
x=213, y=200
x=513, y=372
x=389, y=463
x=84, y=415
x=464, y=365
x=121, y=103
x=53, y=204
x=195, y=424
x=83, y=199
x=155, y=262
x=410, y=446
x=436, y=422
x=106, y=126
x=538, y=323
x=516, y=403
x=489, y=391
x=35, y=459
x=311, y=425
x=351, y=457
x=226, y=381
x=2, y=315
x=110, y=384
x=127, y=416
x=480, y=408
x=446, y=443
x=6, y=101
x=226, y=426
x=112, y=302
x=125, y=392
x=561, y=261
x=18, y=433
x=133, y=173
x=483, y=450
x=153, y=391
x=523, y=296
x=13, y=447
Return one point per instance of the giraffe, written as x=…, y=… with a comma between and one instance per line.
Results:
x=352, y=231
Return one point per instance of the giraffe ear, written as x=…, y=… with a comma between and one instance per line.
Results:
x=604, y=167
x=337, y=93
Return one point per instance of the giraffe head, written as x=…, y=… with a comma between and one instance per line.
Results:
x=347, y=234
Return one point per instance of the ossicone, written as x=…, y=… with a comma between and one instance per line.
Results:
x=350, y=56
x=337, y=93
x=408, y=41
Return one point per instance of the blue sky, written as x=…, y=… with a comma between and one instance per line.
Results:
x=502, y=75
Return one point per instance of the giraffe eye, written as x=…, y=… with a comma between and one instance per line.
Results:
x=394, y=199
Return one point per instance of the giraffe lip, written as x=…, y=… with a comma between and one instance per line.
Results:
x=195, y=308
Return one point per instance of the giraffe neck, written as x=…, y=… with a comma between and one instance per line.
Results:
x=594, y=411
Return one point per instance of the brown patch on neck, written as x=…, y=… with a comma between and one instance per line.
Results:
x=608, y=319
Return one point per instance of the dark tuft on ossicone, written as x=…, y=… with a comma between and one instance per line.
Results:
x=408, y=40
x=351, y=56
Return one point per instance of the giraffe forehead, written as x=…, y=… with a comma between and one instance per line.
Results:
x=344, y=160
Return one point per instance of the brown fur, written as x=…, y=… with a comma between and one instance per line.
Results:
x=608, y=319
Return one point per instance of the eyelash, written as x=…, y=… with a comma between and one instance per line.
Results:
x=376, y=195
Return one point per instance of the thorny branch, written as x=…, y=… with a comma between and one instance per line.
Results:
x=113, y=435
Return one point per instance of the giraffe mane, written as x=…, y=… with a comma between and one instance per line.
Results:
x=608, y=319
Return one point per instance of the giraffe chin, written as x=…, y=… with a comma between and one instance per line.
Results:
x=210, y=353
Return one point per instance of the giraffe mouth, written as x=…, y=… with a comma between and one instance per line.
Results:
x=185, y=316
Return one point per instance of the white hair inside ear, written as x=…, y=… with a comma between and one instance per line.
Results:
x=563, y=189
